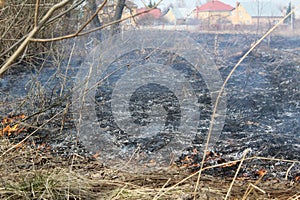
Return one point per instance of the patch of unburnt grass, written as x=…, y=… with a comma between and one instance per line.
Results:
x=29, y=173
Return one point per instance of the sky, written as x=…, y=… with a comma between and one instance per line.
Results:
x=194, y=3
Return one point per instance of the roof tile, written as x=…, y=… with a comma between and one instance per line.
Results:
x=214, y=5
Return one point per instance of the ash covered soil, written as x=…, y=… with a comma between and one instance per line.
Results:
x=263, y=111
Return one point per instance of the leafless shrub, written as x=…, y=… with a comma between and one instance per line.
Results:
x=18, y=19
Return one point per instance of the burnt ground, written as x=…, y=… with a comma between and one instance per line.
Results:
x=263, y=110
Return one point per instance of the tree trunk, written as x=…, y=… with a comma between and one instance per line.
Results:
x=96, y=22
x=115, y=28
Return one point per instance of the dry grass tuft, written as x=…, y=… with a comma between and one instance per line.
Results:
x=27, y=173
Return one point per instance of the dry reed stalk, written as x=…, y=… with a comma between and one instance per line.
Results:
x=251, y=186
x=295, y=197
x=236, y=173
x=162, y=188
x=288, y=171
x=221, y=165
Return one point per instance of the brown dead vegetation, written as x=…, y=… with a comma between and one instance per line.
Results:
x=28, y=173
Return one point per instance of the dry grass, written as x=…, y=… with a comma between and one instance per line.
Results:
x=28, y=173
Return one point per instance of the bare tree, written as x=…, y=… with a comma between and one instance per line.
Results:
x=116, y=16
x=95, y=22
x=115, y=28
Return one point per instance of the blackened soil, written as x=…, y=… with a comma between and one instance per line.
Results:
x=263, y=95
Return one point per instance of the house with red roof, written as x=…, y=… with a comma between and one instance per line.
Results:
x=214, y=12
x=148, y=16
x=146, y=12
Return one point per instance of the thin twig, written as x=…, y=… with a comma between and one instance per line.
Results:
x=92, y=30
x=160, y=191
x=288, y=171
x=120, y=192
x=36, y=13
x=28, y=136
x=226, y=164
x=53, y=19
x=295, y=197
x=255, y=187
x=30, y=35
x=250, y=187
x=12, y=22
x=91, y=18
x=14, y=45
x=236, y=173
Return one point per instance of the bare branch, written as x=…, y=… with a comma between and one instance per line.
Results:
x=51, y=20
x=36, y=14
x=30, y=35
x=64, y=12
x=92, y=30
x=91, y=18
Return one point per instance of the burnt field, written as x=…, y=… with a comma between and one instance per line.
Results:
x=262, y=112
